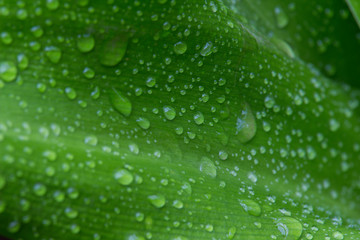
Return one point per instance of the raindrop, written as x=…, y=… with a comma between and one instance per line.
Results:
x=169, y=112
x=251, y=207
x=180, y=48
x=53, y=54
x=157, y=201
x=245, y=125
x=289, y=227
x=282, y=19
x=85, y=43
x=120, y=102
x=114, y=51
x=8, y=71
x=124, y=177
x=208, y=167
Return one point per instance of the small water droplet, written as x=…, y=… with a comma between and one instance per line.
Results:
x=269, y=102
x=231, y=233
x=120, y=102
x=52, y=4
x=89, y=73
x=39, y=189
x=85, y=43
x=124, y=177
x=251, y=207
x=169, y=112
x=14, y=226
x=338, y=235
x=199, y=118
x=8, y=71
x=289, y=227
x=70, y=93
x=180, y=48
x=178, y=204
x=75, y=229
x=114, y=51
x=282, y=19
x=6, y=38
x=157, y=201
x=59, y=196
x=208, y=167
x=334, y=125
x=53, y=54
x=91, y=140
x=143, y=122
x=70, y=213
x=207, y=49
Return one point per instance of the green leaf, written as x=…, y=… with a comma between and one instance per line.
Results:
x=169, y=120
x=322, y=33
x=355, y=9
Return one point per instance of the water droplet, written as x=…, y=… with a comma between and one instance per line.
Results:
x=134, y=148
x=223, y=155
x=37, y=31
x=70, y=213
x=70, y=93
x=6, y=38
x=269, y=102
x=157, y=201
x=2, y=182
x=120, y=102
x=85, y=43
x=124, y=177
x=135, y=237
x=144, y=123
x=75, y=229
x=334, y=125
x=8, y=71
x=52, y=4
x=282, y=19
x=199, y=118
x=180, y=48
x=91, y=140
x=2, y=206
x=208, y=167
x=178, y=204
x=338, y=235
x=23, y=61
x=89, y=73
x=169, y=112
x=114, y=51
x=50, y=155
x=59, y=196
x=231, y=233
x=289, y=227
x=150, y=82
x=209, y=228
x=39, y=189
x=207, y=49
x=14, y=226
x=245, y=124
x=53, y=54
x=251, y=207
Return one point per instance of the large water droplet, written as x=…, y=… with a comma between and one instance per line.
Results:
x=251, y=207
x=143, y=122
x=289, y=227
x=157, y=201
x=199, y=118
x=124, y=177
x=8, y=71
x=70, y=213
x=207, y=49
x=208, y=167
x=120, y=102
x=14, y=226
x=85, y=43
x=245, y=124
x=114, y=51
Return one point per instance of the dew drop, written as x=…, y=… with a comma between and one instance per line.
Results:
x=59, y=196
x=120, y=102
x=199, y=118
x=282, y=19
x=289, y=227
x=334, y=125
x=231, y=233
x=70, y=93
x=91, y=140
x=251, y=207
x=6, y=38
x=85, y=43
x=89, y=73
x=338, y=235
x=207, y=49
x=208, y=167
x=114, y=51
x=75, y=229
x=53, y=54
x=70, y=213
x=169, y=112
x=8, y=71
x=157, y=201
x=180, y=48
x=13, y=227
x=269, y=102
x=143, y=122
x=124, y=177
x=178, y=204
x=39, y=189
x=52, y=4
x=245, y=125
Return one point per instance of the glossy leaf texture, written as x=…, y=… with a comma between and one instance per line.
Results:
x=168, y=120
x=354, y=7
x=322, y=33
